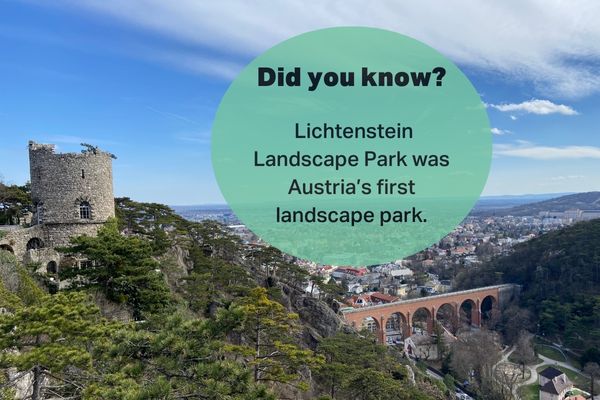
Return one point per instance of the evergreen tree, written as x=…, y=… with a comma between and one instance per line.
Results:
x=52, y=338
x=359, y=368
x=122, y=267
x=271, y=334
x=213, y=281
x=174, y=357
x=15, y=201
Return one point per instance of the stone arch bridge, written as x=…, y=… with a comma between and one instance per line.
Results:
x=398, y=320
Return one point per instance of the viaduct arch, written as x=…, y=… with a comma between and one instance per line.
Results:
x=398, y=319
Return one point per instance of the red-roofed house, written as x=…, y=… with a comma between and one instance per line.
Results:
x=370, y=299
x=381, y=298
x=348, y=272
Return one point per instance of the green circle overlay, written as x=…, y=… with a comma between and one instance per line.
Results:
x=254, y=121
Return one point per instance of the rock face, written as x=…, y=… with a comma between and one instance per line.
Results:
x=111, y=310
x=176, y=265
x=317, y=318
x=318, y=315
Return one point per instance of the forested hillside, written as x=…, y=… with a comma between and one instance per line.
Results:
x=168, y=309
x=560, y=277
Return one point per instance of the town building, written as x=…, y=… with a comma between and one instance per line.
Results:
x=554, y=384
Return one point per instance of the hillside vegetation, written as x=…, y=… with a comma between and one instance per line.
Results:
x=169, y=309
x=560, y=277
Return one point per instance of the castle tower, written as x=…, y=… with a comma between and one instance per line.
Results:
x=72, y=192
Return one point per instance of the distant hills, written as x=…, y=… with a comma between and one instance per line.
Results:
x=517, y=205
x=497, y=206
x=200, y=207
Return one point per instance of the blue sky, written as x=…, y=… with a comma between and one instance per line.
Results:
x=143, y=79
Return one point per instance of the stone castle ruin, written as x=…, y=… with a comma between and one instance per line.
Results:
x=72, y=195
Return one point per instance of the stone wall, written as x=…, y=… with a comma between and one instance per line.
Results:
x=60, y=182
x=59, y=235
x=16, y=240
x=43, y=258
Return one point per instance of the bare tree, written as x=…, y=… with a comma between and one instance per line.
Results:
x=593, y=369
x=474, y=355
x=507, y=378
x=524, y=352
x=514, y=320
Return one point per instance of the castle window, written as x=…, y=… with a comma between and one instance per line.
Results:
x=39, y=213
x=52, y=268
x=83, y=174
x=6, y=247
x=85, y=210
x=35, y=243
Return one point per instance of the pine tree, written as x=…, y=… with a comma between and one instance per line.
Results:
x=272, y=333
x=122, y=267
x=174, y=357
x=52, y=338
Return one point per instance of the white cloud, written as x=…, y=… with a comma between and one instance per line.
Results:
x=524, y=149
x=68, y=139
x=172, y=115
x=552, y=43
x=513, y=117
x=566, y=177
x=535, y=106
x=500, y=132
x=75, y=140
x=202, y=137
x=196, y=63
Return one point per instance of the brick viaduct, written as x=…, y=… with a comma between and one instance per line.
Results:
x=398, y=318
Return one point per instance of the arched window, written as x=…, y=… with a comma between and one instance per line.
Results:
x=6, y=247
x=85, y=210
x=35, y=243
x=52, y=268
